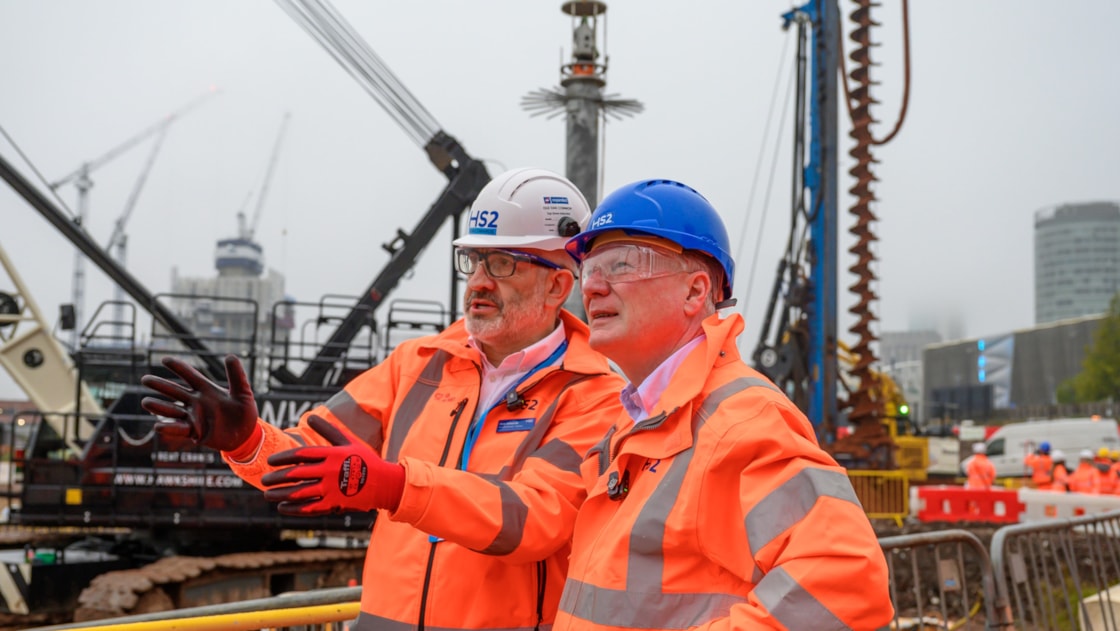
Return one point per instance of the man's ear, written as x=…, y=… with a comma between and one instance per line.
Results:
x=699, y=289
x=560, y=285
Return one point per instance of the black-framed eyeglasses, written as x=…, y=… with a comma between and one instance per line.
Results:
x=498, y=263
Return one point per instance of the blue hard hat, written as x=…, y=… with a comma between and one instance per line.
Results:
x=1044, y=447
x=665, y=209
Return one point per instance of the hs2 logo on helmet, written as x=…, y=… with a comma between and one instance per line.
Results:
x=483, y=222
x=603, y=220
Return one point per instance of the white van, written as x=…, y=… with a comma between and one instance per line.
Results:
x=1011, y=443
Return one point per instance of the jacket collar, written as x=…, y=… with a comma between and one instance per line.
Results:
x=664, y=434
x=717, y=349
x=579, y=357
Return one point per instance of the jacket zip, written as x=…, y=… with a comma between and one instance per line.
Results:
x=648, y=424
x=456, y=414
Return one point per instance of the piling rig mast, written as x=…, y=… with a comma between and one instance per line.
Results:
x=799, y=350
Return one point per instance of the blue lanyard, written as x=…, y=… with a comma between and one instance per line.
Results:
x=476, y=426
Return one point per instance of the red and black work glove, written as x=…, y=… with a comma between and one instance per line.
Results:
x=345, y=476
x=207, y=413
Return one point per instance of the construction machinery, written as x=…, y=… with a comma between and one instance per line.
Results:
x=125, y=521
x=799, y=348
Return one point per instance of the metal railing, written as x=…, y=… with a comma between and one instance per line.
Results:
x=1061, y=574
x=942, y=580
x=316, y=610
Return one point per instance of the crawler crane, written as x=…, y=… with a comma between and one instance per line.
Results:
x=141, y=524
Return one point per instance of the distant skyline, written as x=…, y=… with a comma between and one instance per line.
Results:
x=1011, y=110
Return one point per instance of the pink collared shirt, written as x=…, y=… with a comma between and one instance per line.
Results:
x=640, y=401
x=496, y=381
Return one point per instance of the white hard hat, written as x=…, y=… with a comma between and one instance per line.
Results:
x=526, y=208
x=1085, y=454
x=979, y=448
x=1058, y=455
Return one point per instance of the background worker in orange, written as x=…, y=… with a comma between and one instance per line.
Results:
x=981, y=471
x=1108, y=477
x=1040, y=463
x=710, y=503
x=468, y=442
x=1059, y=474
x=1114, y=471
x=1086, y=478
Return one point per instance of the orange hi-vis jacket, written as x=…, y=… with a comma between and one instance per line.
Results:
x=1108, y=478
x=721, y=511
x=981, y=472
x=1040, y=466
x=1061, y=478
x=1086, y=478
x=485, y=548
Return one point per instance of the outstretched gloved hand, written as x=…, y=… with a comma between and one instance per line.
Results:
x=346, y=476
x=209, y=414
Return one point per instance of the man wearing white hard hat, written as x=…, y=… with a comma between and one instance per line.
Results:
x=1060, y=473
x=467, y=444
x=981, y=471
x=1086, y=478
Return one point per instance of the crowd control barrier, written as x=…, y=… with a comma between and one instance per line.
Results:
x=883, y=494
x=943, y=580
x=958, y=504
x=1060, y=573
x=1054, y=575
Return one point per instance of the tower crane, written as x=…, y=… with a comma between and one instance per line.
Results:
x=118, y=241
x=241, y=255
x=247, y=231
x=81, y=179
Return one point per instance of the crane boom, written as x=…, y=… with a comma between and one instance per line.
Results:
x=247, y=232
x=121, y=276
x=466, y=175
x=87, y=167
x=117, y=238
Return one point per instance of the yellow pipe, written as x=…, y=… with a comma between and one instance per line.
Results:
x=250, y=621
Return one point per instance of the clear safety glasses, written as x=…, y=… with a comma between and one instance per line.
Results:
x=626, y=262
x=498, y=263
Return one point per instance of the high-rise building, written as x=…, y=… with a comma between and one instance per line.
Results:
x=240, y=310
x=1076, y=260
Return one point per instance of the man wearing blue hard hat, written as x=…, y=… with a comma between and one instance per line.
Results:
x=710, y=502
x=1040, y=465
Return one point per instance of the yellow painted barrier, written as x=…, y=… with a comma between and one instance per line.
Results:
x=883, y=494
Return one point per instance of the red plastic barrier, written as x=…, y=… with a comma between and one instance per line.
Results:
x=956, y=503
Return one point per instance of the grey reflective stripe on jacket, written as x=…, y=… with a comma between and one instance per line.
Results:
x=367, y=622
x=644, y=604
x=361, y=423
x=796, y=608
x=370, y=429
x=556, y=452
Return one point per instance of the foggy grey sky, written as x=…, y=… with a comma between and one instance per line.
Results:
x=1013, y=108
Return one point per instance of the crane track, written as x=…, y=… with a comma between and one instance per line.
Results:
x=178, y=582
